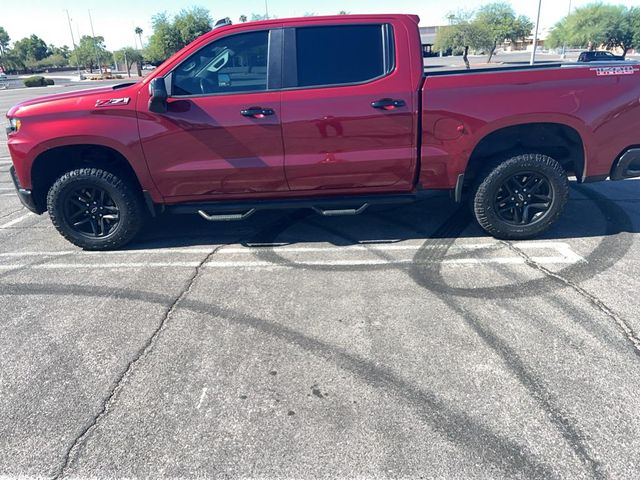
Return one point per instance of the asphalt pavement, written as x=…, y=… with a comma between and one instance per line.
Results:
x=399, y=343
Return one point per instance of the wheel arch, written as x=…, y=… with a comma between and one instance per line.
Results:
x=53, y=162
x=561, y=140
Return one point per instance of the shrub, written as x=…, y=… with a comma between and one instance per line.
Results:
x=37, y=81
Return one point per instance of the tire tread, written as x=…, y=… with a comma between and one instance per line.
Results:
x=481, y=195
x=132, y=204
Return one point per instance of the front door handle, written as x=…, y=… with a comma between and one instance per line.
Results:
x=388, y=104
x=257, y=112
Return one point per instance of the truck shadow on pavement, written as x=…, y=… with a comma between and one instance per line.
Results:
x=589, y=213
x=436, y=222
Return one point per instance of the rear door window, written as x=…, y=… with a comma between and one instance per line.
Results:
x=341, y=54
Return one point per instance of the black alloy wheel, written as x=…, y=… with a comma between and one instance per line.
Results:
x=524, y=199
x=520, y=197
x=95, y=209
x=91, y=211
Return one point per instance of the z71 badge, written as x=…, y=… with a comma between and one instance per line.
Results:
x=112, y=102
x=606, y=71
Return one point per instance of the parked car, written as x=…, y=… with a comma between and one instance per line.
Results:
x=599, y=56
x=330, y=113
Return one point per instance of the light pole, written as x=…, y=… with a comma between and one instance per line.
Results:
x=95, y=46
x=266, y=9
x=73, y=41
x=535, y=36
x=564, y=42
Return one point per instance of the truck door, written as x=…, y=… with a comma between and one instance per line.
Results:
x=222, y=132
x=347, y=108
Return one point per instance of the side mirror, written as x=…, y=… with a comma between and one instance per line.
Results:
x=159, y=95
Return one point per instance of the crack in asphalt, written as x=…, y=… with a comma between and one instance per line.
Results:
x=591, y=298
x=120, y=383
x=11, y=213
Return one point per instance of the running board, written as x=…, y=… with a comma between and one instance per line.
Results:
x=341, y=211
x=226, y=211
x=229, y=217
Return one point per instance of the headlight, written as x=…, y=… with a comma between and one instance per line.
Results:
x=14, y=125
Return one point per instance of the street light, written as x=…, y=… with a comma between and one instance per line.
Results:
x=564, y=42
x=73, y=42
x=535, y=36
x=266, y=9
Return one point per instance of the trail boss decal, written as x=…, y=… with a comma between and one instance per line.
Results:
x=606, y=71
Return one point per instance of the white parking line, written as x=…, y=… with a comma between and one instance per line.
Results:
x=562, y=248
x=16, y=220
x=158, y=251
x=124, y=266
x=562, y=255
x=347, y=248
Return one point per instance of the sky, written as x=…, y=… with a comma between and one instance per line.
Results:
x=115, y=19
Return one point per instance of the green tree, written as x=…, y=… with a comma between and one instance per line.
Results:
x=88, y=49
x=171, y=34
x=63, y=51
x=343, y=12
x=4, y=42
x=53, y=60
x=192, y=23
x=138, y=31
x=559, y=35
x=31, y=49
x=500, y=20
x=597, y=24
x=6, y=58
x=465, y=34
x=255, y=17
x=634, y=15
x=129, y=56
x=243, y=18
x=164, y=41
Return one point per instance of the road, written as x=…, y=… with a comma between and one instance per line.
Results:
x=400, y=343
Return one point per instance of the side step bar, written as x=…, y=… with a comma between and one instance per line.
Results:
x=341, y=212
x=225, y=211
x=232, y=217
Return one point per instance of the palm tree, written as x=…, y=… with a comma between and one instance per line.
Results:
x=243, y=18
x=138, y=31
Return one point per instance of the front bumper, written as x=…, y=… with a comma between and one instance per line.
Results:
x=627, y=166
x=24, y=194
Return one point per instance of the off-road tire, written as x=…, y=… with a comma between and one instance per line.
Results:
x=123, y=194
x=493, y=178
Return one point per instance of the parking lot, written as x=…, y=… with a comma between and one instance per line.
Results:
x=399, y=343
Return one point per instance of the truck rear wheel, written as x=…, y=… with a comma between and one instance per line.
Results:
x=94, y=209
x=521, y=197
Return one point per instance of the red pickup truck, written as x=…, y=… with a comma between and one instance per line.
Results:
x=330, y=113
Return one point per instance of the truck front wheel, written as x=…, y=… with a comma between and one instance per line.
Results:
x=521, y=197
x=94, y=209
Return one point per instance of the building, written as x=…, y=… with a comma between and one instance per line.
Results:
x=428, y=38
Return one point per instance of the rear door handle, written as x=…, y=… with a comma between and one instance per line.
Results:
x=388, y=104
x=257, y=112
